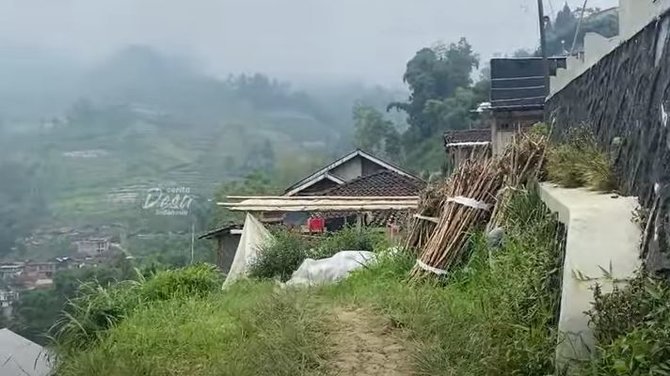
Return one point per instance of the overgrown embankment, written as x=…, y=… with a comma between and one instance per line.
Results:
x=632, y=329
x=490, y=317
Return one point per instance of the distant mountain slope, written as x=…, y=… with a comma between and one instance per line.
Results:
x=143, y=120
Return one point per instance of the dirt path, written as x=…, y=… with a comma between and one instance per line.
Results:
x=366, y=345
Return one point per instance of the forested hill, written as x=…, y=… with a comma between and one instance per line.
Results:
x=85, y=152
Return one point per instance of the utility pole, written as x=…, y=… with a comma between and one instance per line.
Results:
x=543, y=46
x=192, y=240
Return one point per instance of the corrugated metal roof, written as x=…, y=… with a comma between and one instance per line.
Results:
x=467, y=135
x=221, y=231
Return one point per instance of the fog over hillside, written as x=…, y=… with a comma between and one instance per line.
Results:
x=298, y=40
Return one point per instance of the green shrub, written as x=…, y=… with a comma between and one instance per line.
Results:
x=198, y=280
x=578, y=162
x=283, y=255
x=632, y=329
x=88, y=317
x=563, y=166
x=350, y=239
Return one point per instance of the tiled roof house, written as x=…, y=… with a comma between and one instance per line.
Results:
x=345, y=169
x=380, y=184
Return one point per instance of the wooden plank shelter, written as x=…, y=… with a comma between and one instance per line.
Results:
x=319, y=203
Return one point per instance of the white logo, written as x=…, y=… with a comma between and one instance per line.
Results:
x=169, y=201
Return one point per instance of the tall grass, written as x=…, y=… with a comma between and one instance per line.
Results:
x=251, y=329
x=578, y=162
x=88, y=317
x=632, y=329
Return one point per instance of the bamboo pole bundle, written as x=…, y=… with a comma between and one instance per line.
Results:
x=430, y=205
x=471, y=189
x=522, y=162
x=482, y=180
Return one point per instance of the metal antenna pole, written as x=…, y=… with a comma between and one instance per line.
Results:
x=543, y=46
x=579, y=28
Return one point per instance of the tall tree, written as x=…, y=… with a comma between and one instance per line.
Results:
x=453, y=112
x=561, y=32
x=375, y=134
x=434, y=74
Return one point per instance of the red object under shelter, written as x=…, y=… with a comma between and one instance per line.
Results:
x=316, y=224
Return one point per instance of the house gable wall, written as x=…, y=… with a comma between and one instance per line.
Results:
x=349, y=170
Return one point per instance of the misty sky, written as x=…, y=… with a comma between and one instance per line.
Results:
x=331, y=40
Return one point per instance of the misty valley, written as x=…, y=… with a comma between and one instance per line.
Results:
x=134, y=151
x=118, y=163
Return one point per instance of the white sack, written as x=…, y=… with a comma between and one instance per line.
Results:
x=332, y=269
x=254, y=234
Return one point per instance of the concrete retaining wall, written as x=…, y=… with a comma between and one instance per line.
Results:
x=625, y=98
x=601, y=248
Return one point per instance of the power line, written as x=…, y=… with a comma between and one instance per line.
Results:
x=579, y=27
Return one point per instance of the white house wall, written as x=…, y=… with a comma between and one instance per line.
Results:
x=634, y=15
x=350, y=170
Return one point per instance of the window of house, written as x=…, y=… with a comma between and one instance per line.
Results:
x=505, y=127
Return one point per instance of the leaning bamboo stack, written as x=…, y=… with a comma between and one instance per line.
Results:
x=522, y=162
x=421, y=225
x=470, y=194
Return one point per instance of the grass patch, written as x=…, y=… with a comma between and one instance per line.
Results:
x=88, y=318
x=494, y=318
x=578, y=162
x=248, y=330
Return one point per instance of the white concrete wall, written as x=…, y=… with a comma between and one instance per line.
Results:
x=601, y=239
x=595, y=48
x=349, y=170
x=634, y=15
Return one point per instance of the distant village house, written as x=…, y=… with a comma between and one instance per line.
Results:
x=462, y=145
x=355, y=175
x=518, y=93
x=93, y=246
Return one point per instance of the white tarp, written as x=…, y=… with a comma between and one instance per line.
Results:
x=254, y=234
x=332, y=269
